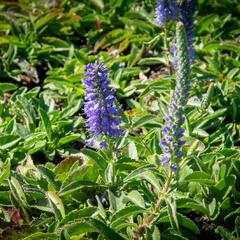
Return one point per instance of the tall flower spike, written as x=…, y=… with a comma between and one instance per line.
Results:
x=102, y=114
x=165, y=10
x=187, y=17
x=172, y=132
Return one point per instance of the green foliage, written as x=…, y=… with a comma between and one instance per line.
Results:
x=54, y=187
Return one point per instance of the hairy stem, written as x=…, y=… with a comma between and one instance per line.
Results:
x=148, y=220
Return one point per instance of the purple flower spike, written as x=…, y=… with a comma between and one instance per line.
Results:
x=166, y=10
x=173, y=131
x=187, y=17
x=102, y=114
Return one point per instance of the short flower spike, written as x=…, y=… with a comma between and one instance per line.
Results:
x=102, y=114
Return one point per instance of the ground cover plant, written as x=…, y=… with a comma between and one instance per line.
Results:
x=119, y=119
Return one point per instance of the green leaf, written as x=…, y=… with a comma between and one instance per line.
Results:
x=76, y=228
x=225, y=233
x=56, y=204
x=172, y=213
x=200, y=133
x=136, y=198
x=217, y=135
x=69, y=138
x=4, y=170
x=71, y=109
x=4, y=215
x=200, y=177
x=135, y=55
x=143, y=173
x=8, y=141
x=208, y=98
x=205, y=22
x=132, y=151
x=44, y=20
x=183, y=221
x=96, y=157
x=77, y=214
x=104, y=230
x=203, y=120
x=17, y=192
x=143, y=120
x=7, y=87
x=126, y=212
x=137, y=172
x=4, y=40
x=76, y=185
x=112, y=37
x=227, y=45
x=40, y=236
x=152, y=61
x=64, y=235
x=98, y=3
x=57, y=42
x=187, y=223
x=49, y=175
x=46, y=123
x=189, y=203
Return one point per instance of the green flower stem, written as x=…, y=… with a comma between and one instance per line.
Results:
x=167, y=50
x=148, y=220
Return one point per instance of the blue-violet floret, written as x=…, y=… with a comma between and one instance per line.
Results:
x=166, y=10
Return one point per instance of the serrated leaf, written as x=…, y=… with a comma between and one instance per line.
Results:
x=96, y=157
x=200, y=177
x=183, y=221
x=49, y=175
x=56, y=204
x=152, y=61
x=64, y=235
x=76, y=185
x=132, y=151
x=104, y=230
x=227, y=45
x=46, y=123
x=17, y=192
x=70, y=138
x=7, y=87
x=143, y=120
x=76, y=228
x=77, y=214
x=126, y=212
x=40, y=236
x=136, y=198
x=191, y=204
x=200, y=132
x=8, y=141
x=172, y=213
x=4, y=170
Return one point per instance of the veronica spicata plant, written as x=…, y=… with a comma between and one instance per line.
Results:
x=172, y=132
x=100, y=109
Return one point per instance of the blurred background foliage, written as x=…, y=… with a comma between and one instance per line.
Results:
x=44, y=46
